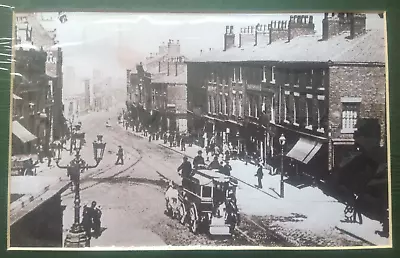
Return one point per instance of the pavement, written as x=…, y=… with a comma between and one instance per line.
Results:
x=306, y=202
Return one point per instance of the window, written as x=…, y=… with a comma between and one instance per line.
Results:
x=309, y=75
x=296, y=112
x=220, y=108
x=234, y=105
x=240, y=74
x=350, y=110
x=250, y=102
x=240, y=105
x=264, y=74
x=226, y=105
x=234, y=75
x=273, y=74
x=209, y=104
x=321, y=116
x=296, y=79
x=308, y=111
x=286, y=116
x=273, y=109
x=215, y=104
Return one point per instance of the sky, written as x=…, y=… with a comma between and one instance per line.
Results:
x=113, y=42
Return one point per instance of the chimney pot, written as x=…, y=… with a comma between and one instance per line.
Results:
x=227, y=29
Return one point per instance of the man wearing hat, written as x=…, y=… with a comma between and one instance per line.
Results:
x=185, y=167
x=120, y=156
x=198, y=160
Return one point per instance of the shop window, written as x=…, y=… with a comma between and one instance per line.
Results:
x=350, y=114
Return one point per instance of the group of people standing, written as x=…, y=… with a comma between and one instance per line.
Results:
x=186, y=168
x=91, y=220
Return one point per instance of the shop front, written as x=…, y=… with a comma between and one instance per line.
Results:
x=304, y=154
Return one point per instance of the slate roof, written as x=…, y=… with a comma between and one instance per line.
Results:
x=172, y=79
x=366, y=48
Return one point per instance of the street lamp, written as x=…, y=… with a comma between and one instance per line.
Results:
x=77, y=237
x=282, y=141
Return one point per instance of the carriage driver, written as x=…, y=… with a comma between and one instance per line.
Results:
x=185, y=167
x=198, y=160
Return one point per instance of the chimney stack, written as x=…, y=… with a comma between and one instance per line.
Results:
x=357, y=24
x=229, y=38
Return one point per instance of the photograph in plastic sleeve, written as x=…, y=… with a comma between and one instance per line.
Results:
x=168, y=131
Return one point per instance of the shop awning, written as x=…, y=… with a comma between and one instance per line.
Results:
x=16, y=97
x=22, y=133
x=304, y=150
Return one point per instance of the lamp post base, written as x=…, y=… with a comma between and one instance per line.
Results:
x=282, y=194
x=76, y=238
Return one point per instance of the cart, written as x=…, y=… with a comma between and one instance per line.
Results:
x=206, y=202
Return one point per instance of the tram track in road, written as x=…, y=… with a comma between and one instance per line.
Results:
x=121, y=137
x=277, y=239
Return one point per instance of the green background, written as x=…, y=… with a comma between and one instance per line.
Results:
x=393, y=17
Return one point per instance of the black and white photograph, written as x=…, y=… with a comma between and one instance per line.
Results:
x=156, y=131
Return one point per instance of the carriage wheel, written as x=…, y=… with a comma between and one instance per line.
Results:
x=194, y=223
x=181, y=214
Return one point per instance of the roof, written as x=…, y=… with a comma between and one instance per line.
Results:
x=205, y=176
x=163, y=78
x=32, y=192
x=366, y=48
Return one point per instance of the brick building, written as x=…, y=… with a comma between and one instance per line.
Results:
x=157, y=91
x=282, y=78
x=37, y=105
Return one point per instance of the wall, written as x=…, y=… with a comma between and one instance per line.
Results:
x=369, y=83
x=43, y=227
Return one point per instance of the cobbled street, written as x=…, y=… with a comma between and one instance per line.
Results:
x=132, y=199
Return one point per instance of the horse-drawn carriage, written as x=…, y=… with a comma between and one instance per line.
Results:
x=206, y=202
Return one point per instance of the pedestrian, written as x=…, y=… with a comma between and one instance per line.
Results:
x=120, y=156
x=49, y=155
x=183, y=144
x=259, y=175
x=165, y=137
x=40, y=153
x=170, y=139
x=198, y=160
x=97, y=221
x=226, y=169
x=30, y=168
x=185, y=167
x=356, y=211
x=214, y=164
x=87, y=221
x=190, y=139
